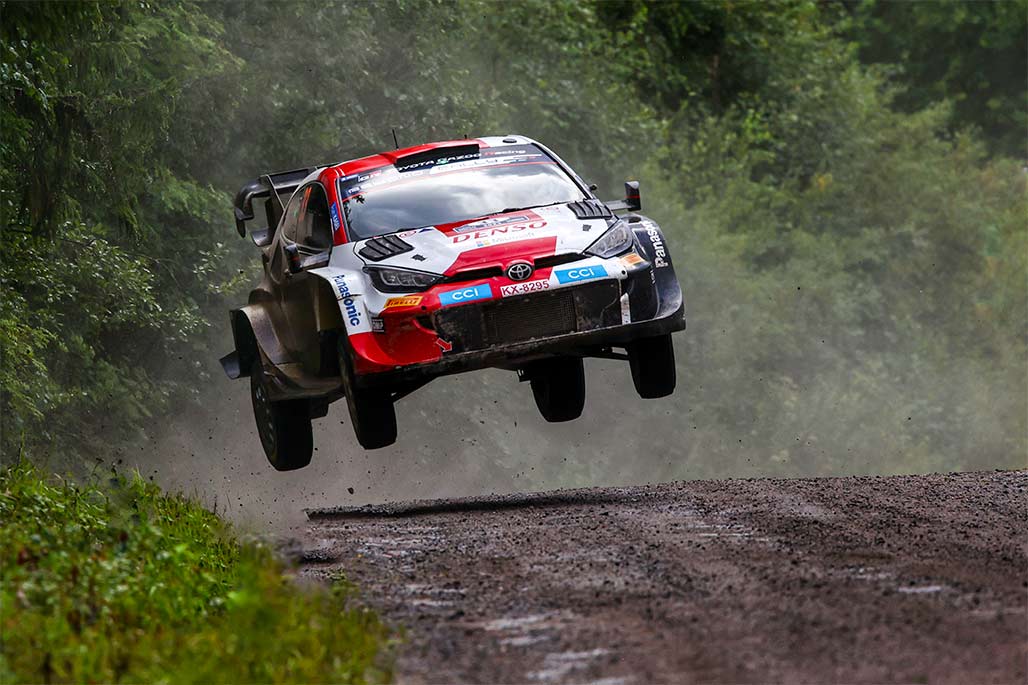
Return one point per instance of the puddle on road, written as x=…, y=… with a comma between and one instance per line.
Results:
x=504, y=624
x=557, y=665
x=524, y=640
x=921, y=589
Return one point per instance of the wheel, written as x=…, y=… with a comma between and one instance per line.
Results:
x=373, y=417
x=653, y=366
x=371, y=411
x=284, y=427
x=559, y=388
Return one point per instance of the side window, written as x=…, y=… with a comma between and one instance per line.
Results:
x=290, y=220
x=315, y=226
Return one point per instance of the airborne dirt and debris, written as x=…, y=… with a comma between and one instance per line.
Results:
x=900, y=579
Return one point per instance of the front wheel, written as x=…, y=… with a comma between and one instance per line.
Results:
x=653, y=366
x=373, y=416
x=372, y=412
x=284, y=427
x=559, y=388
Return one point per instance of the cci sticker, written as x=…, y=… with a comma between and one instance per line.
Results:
x=584, y=273
x=411, y=301
x=478, y=292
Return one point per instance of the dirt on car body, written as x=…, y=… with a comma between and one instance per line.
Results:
x=869, y=579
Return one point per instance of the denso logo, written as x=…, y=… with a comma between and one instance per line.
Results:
x=583, y=273
x=478, y=292
x=499, y=230
x=353, y=314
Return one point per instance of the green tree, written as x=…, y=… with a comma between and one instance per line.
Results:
x=971, y=53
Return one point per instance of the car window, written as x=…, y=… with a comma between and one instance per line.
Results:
x=315, y=230
x=290, y=220
x=386, y=200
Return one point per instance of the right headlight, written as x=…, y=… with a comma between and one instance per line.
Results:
x=615, y=241
x=388, y=280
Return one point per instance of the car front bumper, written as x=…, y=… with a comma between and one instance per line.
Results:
x=510, y=333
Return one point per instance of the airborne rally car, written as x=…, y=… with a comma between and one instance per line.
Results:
x=385, y=272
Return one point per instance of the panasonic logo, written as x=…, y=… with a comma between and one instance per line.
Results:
x=658, y=246
x=349, y=304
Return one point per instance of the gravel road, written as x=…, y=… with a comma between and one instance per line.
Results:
x=900, y=579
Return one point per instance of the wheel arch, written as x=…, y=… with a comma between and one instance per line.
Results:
x=253, y=337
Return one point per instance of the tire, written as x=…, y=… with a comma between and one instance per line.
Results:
x=371, y=411
x=559, y=388
x=374, y=418
x=284, y=427
x=653, y=366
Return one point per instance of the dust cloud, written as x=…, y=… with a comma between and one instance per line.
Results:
x=466, y=435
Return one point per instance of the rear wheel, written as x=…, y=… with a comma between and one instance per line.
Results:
x=653, y=366
x=559, y=388
x=371, y=411
x=284, y=427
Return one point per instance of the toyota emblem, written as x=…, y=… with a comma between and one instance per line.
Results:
x=519, y=271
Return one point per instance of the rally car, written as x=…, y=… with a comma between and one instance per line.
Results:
x=385, y=272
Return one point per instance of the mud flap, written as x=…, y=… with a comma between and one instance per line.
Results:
x=230, y=363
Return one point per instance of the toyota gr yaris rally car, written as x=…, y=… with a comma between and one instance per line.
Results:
x=385, y=272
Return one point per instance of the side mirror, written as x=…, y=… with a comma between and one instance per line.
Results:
x=632, y=201
x=293, y=257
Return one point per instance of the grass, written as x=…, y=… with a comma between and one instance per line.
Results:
x=124, y=583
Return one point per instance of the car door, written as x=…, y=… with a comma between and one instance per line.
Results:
x=306, y=244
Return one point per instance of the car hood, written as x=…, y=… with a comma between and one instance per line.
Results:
x=485, y=242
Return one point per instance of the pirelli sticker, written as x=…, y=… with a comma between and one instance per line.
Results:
x=409, y=301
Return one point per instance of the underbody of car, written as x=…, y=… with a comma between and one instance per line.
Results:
x=385, y=272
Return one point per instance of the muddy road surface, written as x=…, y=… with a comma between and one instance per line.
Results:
x=901, y=579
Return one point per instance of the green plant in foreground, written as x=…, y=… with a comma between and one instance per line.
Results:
x=126, y=583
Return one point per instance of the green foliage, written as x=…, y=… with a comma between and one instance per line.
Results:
x=798, y=144
x=970, y=53
x=847, y=261
x=125, y=584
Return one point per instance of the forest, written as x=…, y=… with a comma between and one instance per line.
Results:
x=844, y=184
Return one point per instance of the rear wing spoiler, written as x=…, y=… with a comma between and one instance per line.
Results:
x=267, y=186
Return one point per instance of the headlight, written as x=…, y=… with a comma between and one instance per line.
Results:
x=615, y=241
x=400, y=280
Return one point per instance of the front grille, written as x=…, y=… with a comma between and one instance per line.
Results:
x=474, y=274
x=557, y=260
x=530, y=317
x=525, y=318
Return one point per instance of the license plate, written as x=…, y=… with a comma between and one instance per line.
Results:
x=524, y=288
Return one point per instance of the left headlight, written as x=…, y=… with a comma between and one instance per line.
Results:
x=615, y=241
x=400, y=280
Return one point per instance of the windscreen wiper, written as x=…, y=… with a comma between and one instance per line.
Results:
x=521, y=209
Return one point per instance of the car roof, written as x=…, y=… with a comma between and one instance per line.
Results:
x=355, y=166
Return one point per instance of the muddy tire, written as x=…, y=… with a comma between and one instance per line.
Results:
x=374, y=418
x=559, y=388
x=284, y=427
x=371, y=411
x=653, y=366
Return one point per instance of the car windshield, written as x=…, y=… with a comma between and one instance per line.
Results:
x=504, y=178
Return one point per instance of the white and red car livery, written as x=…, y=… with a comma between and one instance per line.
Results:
x=385, y=272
